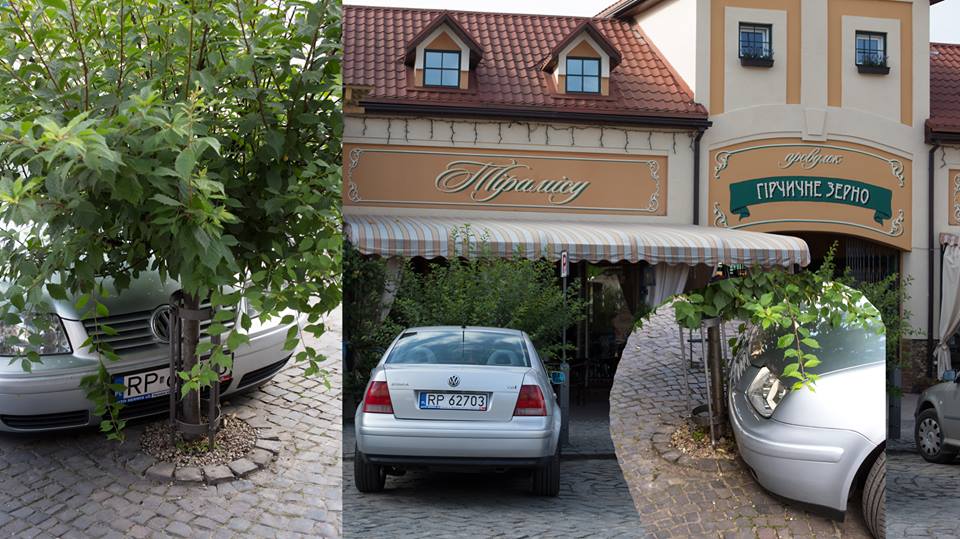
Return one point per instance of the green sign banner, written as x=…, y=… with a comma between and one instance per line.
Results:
x=810, y=189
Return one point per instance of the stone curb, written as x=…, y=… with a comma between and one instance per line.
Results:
x=665, y=450
x=265, y=450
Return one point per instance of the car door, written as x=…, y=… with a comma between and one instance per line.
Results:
x=950, y=410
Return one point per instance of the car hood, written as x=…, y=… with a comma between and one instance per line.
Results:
x=146, y=292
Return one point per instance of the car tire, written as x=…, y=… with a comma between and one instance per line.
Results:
x=367, y=477
x=546, y=478
x=872, y=501
x=928, y=435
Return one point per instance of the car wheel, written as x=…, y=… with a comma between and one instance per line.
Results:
x=546, y=478
x=367, y=477
x=873, y=505
x=929, y=437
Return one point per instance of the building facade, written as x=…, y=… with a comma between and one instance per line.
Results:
x=809, y=118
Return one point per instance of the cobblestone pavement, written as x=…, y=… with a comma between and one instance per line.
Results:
x=593, y=502
x=922, y=498
x=71, y=485
x=678, y=501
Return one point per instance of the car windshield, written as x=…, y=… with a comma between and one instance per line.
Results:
x=460, y=347
x=841, y=347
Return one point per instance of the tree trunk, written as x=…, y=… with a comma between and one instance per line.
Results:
x=190, y=404
x=715, y=363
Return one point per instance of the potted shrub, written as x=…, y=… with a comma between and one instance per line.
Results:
x=756, y=58
x=873, y=64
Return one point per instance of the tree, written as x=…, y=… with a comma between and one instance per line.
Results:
x=197, y=139
x=788, y=305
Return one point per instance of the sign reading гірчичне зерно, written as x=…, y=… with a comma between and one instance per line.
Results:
x=810, y=189
x=784, y=185
x=504, y=179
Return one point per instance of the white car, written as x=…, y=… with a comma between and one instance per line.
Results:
x=458, y=398
x=49, y=397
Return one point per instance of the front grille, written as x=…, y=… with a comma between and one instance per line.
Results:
x=154, y=406
x=261, y=374
x=133, y=331
x=46, y=421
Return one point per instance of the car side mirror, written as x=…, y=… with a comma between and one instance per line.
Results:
x=950, y=376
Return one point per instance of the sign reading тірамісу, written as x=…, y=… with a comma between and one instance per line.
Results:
x=504, y=179
x=786, y=185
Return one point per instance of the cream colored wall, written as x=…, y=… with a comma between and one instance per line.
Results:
x=877, y=94
x=857, y=121
x=677, y=147
x=671, y=27
x=752, y=86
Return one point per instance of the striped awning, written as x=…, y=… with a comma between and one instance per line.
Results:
x=446, y=237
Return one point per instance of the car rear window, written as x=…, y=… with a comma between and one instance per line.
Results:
x=467, y=347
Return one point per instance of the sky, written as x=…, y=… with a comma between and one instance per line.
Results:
x=944, y=17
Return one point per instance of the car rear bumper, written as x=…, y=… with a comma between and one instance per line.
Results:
x=51, y=401
x=455, y=463
x=815, y=466
x=385, y=436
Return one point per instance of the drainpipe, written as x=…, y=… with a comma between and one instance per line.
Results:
x=696, y=176
x=931, y=258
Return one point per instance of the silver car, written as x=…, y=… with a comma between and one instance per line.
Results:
x=937, y=431
x=817, y=447
x=50, y=398
x=458, y=398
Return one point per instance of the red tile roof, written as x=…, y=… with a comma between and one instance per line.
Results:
x=509, y=77
x=944, y=88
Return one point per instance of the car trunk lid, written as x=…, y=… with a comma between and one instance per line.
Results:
x=500, y=385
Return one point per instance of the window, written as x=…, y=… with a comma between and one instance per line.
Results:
x=583, y=75
x=871, y=49
x=755, y=42
x=441, y=68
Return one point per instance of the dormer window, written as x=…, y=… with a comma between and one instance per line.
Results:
x=871, y=53
x=582, y=61
x=441, y=68
x=442, y=55
x=583, y=75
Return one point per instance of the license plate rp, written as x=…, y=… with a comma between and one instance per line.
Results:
x=453, y=401
x=143, y=385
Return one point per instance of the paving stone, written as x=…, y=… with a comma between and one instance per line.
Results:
x=272, y=446
x=216, y=474
x=78, y=484
x=242, y=467
x=161, y=471
x=260, y=457
x=189, y=474
x=179, y=529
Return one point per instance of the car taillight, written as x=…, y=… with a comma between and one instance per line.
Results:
x=377, y=400
x=530, y=401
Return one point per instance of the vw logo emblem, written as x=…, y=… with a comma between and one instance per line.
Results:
x=454, y=381
x=160, y=324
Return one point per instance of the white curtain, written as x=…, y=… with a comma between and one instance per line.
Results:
x=671, y=279
x=393, y=270
x=950, y=307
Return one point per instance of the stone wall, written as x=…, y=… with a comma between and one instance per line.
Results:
x=914, y=366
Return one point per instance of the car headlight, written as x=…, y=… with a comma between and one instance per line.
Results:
x=766, y=391
x=40, y=333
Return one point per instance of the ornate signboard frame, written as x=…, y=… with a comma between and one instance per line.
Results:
x=787, y=185
x=504, y=179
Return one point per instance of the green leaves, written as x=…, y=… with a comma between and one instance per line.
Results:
x=201, y=161
x=785, y=340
